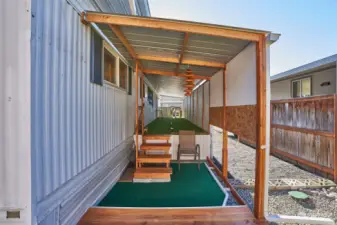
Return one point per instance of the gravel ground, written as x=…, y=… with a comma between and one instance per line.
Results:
x=241, y=163
x=321, y=202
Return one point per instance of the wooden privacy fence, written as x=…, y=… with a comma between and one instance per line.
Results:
x=303, y=130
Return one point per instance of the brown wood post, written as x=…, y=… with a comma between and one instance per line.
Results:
x=224, y=131
x=260, y=175
x=335, y=138
x=192, y=106
x=203, y=107
x=209, y=107
x=142, y=102
x=137, y=96
x=196, y=108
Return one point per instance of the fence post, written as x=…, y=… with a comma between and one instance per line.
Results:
x=335, y=139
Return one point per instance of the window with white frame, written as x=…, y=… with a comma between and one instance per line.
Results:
x=301, y=87
x=105, y=64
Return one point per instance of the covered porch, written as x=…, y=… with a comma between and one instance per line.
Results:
x=220, y=72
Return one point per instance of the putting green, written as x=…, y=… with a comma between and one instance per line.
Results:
x=189, y=187
x=163, y=126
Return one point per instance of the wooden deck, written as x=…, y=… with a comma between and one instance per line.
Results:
x=184, y=216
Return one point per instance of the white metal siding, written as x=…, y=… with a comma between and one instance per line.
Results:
x=75, y=123
x=15, y=134
x=241, y=78
x=189, y=111
x=206, y=106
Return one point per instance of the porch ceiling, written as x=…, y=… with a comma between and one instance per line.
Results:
x=169, y=47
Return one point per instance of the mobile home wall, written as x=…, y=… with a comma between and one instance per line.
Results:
x=81, y=133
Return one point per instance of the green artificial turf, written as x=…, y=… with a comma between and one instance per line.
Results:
x=163, y=126
x=189, y=187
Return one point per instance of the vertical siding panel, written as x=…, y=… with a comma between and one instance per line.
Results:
x=46, y=103
x=62, y=102
x=75, y=122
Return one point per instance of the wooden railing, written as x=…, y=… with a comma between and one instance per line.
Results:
x=303, y=131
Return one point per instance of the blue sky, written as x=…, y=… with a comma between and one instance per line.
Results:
x=308, y=28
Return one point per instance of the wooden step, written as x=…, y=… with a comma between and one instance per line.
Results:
x=152, y=173
x=162, y=158
x=156, y=137
x=155, y=146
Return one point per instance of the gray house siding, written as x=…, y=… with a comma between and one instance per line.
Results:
x=282, y=89
x=81, y=132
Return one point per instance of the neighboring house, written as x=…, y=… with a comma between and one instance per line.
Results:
x=315, y=78
x=65, y=133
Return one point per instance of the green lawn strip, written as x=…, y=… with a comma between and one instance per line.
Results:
x=189, y=187
x=163, y=126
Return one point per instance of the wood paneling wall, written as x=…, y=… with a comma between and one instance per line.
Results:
x=302, y=130
x=241, y=120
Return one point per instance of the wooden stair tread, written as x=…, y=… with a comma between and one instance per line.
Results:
x=157, y=137
x=155, y=146
x=161, y=156
x=153, y=170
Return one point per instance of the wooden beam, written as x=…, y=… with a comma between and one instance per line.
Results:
x=117, y=31
x=137, y=97
x=304, y=130
x=123, y=39
x=303, y=161
x=224, y=131
x=182, y=52
x=165, y=73
x=173, y=25
x=209, y=106
x=184, y=61
x=197, y=106
x=142, y=102
x=260, y=176
x=203, y=106
x=228, y=184
x=335, y=130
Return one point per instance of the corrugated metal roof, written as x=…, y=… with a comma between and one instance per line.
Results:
x=113, y=6
x=142, y=7
x=202, y=49
x=310, y=67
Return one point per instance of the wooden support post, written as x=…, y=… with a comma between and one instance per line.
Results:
x=142, y=102
x=192, y=97
x=197, y=107
x=203, y=106
x=260, y=176
x=209, y=107
x=137, y=97
x=224, y=131
x=335, y=138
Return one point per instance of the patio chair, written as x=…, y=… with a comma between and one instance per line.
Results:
x=187, y=146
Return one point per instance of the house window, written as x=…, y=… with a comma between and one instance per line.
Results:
x=301, y=87
x=109, y=67
x=123, y=72
x=130, y=81
x=96, y=47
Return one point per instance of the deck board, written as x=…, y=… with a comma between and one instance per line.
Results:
x=228, y=215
